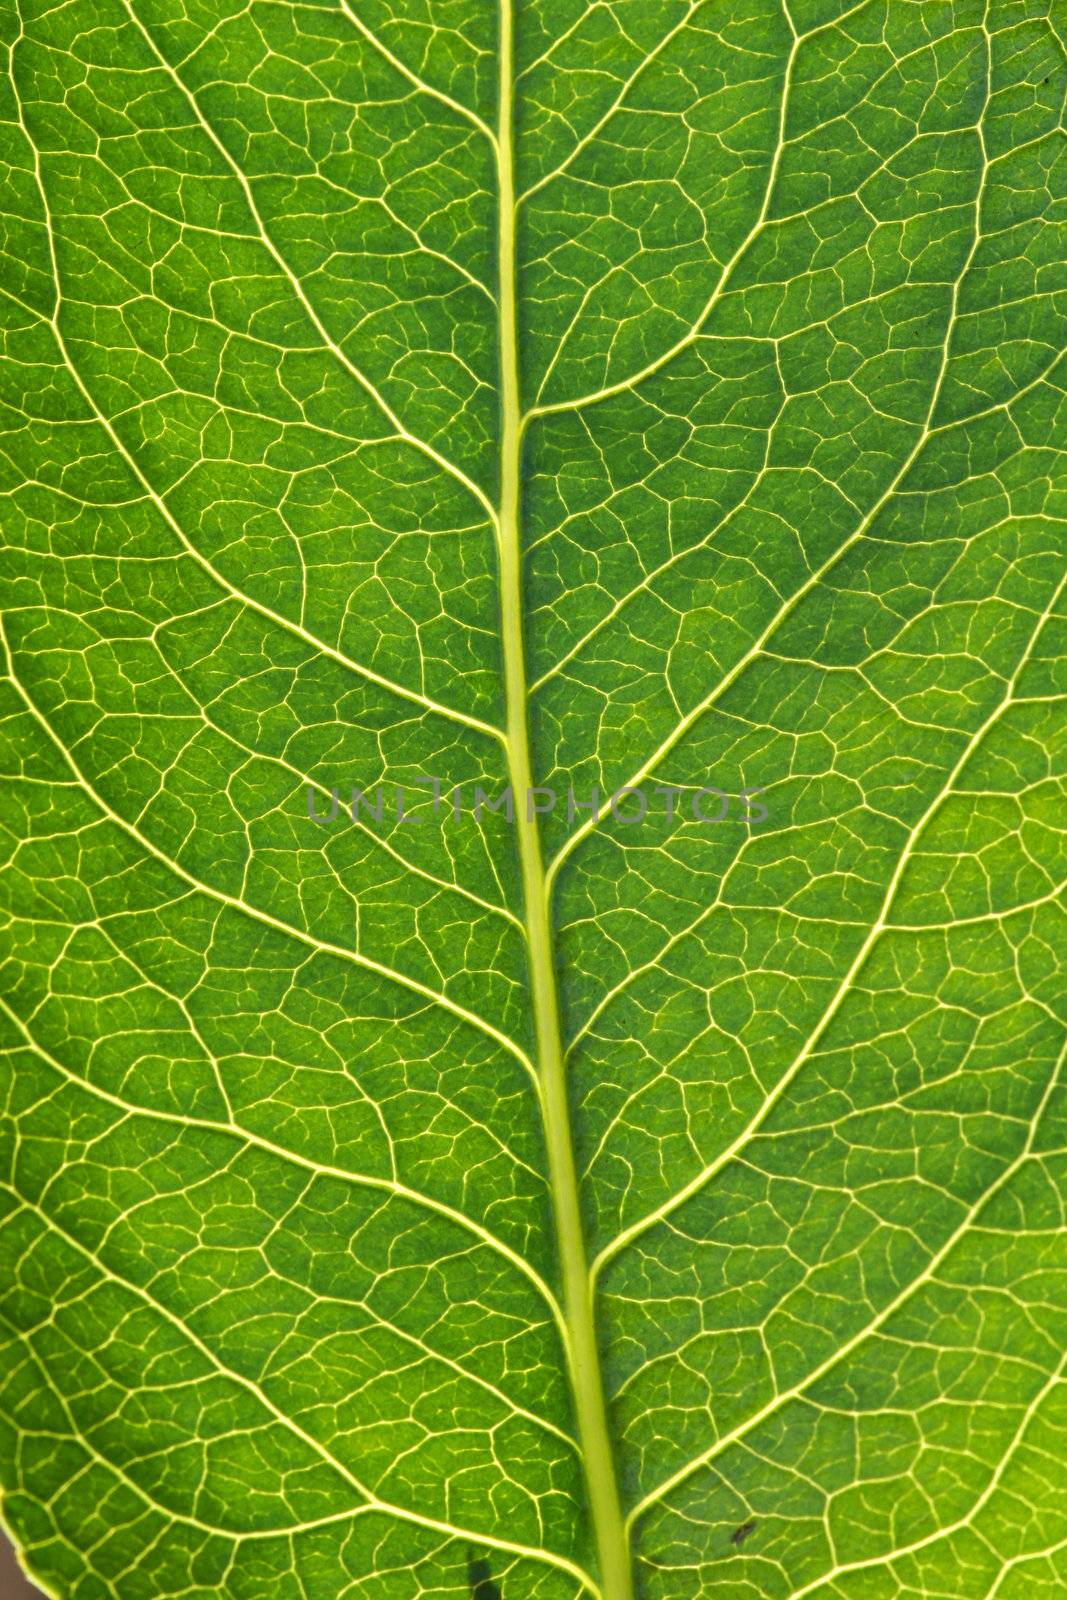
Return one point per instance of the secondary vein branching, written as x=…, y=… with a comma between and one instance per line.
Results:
x=258, y=913
x=844, y=988
x=344, y=360
x=257, y=1141
x=256, y=1390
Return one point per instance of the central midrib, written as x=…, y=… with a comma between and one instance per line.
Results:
x=583, y=1356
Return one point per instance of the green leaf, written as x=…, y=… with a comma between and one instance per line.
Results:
x=648, y=395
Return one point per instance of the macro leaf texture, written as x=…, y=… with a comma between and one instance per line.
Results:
x=627, y=405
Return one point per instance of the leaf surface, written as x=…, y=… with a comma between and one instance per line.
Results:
x=649, y=402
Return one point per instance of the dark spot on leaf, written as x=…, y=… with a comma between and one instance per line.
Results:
x=740, y=1534
x=480, y=1578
